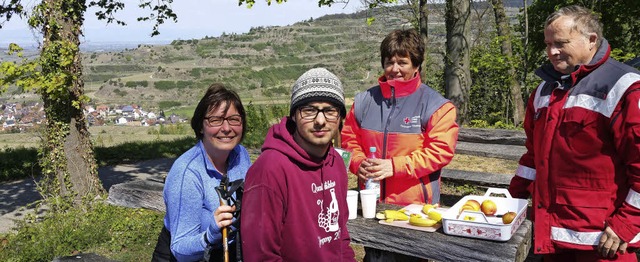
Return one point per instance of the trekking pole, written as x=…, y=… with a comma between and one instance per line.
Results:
x=222, y=193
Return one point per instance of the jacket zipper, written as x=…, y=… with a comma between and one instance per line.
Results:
x=383, y=188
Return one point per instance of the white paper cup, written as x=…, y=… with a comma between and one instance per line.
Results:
x=352, y=203
x=368, y=199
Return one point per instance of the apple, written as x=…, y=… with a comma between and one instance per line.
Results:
x=508, y=217
x=488, y=207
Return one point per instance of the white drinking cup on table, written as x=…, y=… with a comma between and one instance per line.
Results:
x=352, y=203
x=368, y=199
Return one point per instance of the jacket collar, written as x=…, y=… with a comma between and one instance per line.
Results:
x=402, y=87
x=549, y=74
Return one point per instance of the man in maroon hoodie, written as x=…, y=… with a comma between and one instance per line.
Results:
x=294, y=205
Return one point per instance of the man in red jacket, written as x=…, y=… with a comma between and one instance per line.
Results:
x=582, y=165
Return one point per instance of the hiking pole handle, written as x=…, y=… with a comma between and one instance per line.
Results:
x=225, y=237
x=225, y=243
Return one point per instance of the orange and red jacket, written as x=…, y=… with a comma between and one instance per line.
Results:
x=582, y=165
x=409, y=123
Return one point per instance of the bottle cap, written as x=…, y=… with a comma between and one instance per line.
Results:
x=373, y=149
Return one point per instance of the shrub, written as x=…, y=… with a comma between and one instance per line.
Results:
x=17, y=163
x=168, y=104
x=97, y=226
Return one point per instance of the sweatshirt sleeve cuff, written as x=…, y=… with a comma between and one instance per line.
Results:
x=213, y=234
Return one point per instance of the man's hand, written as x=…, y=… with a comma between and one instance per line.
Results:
x=610, y=243
x=362, y=172
x=379, y=169
x=224, y=215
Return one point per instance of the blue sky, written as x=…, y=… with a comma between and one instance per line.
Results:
x=196, y=19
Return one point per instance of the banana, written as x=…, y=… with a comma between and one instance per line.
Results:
x=435, y=215
x=427, y=207
x=419, y=221
x=396, y=215
x=430, y=211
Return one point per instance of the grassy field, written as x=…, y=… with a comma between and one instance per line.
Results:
x=101, y=135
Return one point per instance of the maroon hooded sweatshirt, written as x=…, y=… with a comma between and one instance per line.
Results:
x=294, y=206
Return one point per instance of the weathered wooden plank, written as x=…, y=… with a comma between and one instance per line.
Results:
x=138, y=193
x=508, y=152
x=476, y=178
x=492, y=136
x=437, y=245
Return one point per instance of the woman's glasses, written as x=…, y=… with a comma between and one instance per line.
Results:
x=233, y=120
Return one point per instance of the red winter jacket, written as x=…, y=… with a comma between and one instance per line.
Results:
x=582, y=165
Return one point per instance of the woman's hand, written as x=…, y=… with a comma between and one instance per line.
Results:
x=224, y=215
x=362, y=170
x=379, y=169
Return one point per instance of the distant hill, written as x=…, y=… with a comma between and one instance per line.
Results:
x=261, y=64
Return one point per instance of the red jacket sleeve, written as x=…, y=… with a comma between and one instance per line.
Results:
x=625, y=221
x=525, y=174
x=441, y=135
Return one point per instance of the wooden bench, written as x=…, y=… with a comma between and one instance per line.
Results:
x=437, y=245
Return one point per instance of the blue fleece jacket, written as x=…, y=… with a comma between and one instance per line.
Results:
x=191, y=199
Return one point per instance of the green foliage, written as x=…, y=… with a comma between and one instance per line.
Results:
x=490, y=87
x=165, y=85
x=208, y=48
x=117, y=68
x=137, y=83
x=17, y=163
x=98, y=227
x=120, y=93
x=168, y=104
x=100, y=78
x=259, y=120
x=259, y=46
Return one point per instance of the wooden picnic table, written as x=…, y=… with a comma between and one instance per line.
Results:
x=438, y=245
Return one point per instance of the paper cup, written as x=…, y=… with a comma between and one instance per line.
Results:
x=368, y=199
x=352, y=203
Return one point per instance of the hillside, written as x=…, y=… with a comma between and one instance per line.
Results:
x=261, y=64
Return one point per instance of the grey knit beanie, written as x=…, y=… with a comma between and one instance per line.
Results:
x=317, y=85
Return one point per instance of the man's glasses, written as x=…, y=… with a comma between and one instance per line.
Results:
x=233, y=120
x=310, y=113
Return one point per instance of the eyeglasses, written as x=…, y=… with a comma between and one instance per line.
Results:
x=310, y=113
x=233, y=120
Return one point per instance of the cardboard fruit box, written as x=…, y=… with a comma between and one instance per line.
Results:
x=482, y=226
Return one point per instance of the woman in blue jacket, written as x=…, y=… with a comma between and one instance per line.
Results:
x=194, y=216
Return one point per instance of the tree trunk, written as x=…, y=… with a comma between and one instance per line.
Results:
x=424, y=33
x=67, y=158
x=457, y=76
x=504, y=34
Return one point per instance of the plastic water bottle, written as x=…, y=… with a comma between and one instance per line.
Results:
x=370, y=183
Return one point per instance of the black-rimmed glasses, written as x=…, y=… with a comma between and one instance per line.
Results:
x=233, y=120
x=310, y=113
